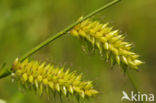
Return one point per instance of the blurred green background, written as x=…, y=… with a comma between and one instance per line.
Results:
x=26, y=23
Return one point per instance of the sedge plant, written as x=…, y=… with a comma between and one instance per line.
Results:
x=44, y=77
x=40, y=77
x=110, y=43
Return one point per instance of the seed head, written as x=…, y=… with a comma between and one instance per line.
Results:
x=110, y=43
x=42, y=77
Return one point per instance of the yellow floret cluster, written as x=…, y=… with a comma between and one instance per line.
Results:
x=110, y=43
x=42, y=77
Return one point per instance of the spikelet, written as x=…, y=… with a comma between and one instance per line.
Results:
x=42, y=77
x=109, y=42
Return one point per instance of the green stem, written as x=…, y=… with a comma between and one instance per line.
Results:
x=4, y=73
x=133, y=83
x=66, y=30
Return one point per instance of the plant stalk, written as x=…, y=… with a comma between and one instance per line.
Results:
x=4, y=73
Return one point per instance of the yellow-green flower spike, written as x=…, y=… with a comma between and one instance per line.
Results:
x=47, y=78
x=110, y=43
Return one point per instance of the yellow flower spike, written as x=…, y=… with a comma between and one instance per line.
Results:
x=109, y=42
x=45, y=78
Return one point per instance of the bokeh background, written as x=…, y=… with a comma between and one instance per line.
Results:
x=26, y=23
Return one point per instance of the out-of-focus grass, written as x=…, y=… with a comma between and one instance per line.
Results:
x=25, y=23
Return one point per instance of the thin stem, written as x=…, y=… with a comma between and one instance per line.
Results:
x=4, y=73
x=133, y=83
x=66, y=30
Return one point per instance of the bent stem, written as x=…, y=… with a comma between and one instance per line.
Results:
x=4, y=73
